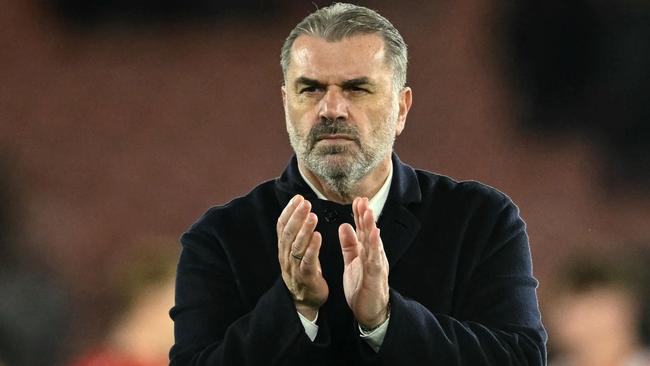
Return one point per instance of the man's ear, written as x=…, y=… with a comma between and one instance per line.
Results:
x=283, y=89
x=404, y=102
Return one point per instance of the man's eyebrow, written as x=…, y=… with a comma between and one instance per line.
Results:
x=346, y=84
x=307, y=81
x=355, y=82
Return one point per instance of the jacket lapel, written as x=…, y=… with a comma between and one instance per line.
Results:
x=399, y=226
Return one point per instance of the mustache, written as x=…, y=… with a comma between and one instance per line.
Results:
x=332, y=127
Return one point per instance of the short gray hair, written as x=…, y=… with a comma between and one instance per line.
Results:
x=339, y=21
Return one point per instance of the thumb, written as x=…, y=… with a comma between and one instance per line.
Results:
x=348, y=240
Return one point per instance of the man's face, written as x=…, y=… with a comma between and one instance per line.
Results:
x=586, y=321
x=342, y=112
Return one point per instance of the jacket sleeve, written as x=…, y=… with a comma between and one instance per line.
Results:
x=496, y=320
x=212, y=324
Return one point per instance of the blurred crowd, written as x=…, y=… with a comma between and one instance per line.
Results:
x=37, y=311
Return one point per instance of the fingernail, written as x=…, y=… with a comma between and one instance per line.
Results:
x=295, y=199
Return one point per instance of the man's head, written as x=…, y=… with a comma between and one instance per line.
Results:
x=339, y=21
x=596, y=303
x=344, y=96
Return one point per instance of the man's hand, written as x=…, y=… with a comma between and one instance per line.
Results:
x=298, y=248
x=365, y=277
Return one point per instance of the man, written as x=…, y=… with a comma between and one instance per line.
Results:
x=352, y=257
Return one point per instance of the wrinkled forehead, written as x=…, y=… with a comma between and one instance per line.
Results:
x=358, y=55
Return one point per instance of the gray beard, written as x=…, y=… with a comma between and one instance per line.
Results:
x=344, y=175
x=340, y=178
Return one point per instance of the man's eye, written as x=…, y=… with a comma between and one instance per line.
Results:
x=358, y=90
x=310, y=89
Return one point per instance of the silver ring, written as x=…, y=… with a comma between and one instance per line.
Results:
x=298, y=257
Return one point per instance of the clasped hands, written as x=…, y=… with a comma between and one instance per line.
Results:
x=365, y=276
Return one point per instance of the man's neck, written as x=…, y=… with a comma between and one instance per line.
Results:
x=368, y=186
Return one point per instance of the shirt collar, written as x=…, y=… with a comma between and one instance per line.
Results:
x=376, y=203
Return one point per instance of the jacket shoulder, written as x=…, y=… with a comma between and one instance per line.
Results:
x=254, y=205
x=433, y=184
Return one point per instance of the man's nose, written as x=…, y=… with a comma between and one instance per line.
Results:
x=333, y=105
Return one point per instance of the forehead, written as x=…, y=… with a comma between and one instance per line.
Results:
x=352, y=57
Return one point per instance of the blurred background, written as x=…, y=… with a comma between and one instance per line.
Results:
x=123, y=121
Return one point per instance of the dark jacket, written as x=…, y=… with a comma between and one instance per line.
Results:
x=462, y=289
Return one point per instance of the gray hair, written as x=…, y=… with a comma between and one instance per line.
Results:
x=339, y=21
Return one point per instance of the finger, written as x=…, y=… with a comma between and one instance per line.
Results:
x=355, y=212
x=369, y=227
x=375, y=263
x=291, y=229
x=287, y=212
x=369, y=219
x=297, y=218
x=359, y=217
x=304, y=236
x=349, y=244
x=375, y=247
x=371, y=212
x=366, y=225
x=310, y=261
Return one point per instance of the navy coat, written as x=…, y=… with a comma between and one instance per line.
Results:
x=462, y=289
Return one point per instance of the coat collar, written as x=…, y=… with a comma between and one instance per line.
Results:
x=291, y=183
x=405, y=188
x=399, y=226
